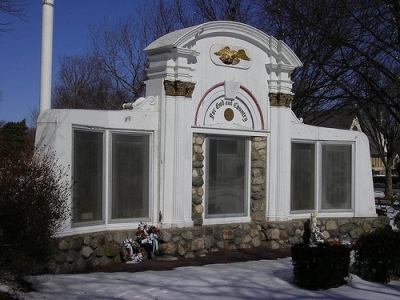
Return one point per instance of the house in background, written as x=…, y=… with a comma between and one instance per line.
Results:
x=213, y=154
x=350, y=121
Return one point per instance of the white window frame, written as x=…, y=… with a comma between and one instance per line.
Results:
x=103, y=219
x=315, y=202
x=318, y=176
x=228, y=218
x=110, y=179
x=107, y=176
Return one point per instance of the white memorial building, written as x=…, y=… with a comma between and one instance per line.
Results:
x=213, y=142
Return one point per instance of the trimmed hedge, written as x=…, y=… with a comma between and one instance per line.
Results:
x=320, y=266
x=377, y=255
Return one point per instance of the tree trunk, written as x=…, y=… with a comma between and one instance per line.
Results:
x=388, y=182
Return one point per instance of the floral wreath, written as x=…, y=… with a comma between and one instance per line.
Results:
x=146, y=241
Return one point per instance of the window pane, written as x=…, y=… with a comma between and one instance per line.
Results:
x=336, y=177
x=302, y=176
x=87, y=172
x=130, y=176
x=226, y=177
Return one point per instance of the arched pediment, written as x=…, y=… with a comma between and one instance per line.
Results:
x=187, y=37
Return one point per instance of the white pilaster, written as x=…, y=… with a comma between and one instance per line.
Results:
x=176, y=181
x=279, y=163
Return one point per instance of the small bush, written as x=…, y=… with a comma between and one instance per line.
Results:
x=33, y=198
x=381, y=212
x=321, y=266
x=377, y=256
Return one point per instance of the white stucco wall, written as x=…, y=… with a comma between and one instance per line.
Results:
x=188, y=56
x=55, y=132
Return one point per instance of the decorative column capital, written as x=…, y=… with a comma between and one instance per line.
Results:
x=179, y=88
x=279, y=99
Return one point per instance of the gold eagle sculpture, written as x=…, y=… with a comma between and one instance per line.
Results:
x=231, y=57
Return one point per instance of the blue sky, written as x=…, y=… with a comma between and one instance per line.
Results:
x=20, y=47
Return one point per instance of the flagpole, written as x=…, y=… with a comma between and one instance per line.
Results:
x=46, y=54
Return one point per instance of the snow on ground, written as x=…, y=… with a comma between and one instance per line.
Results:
x=390, y=211
x=265, y=279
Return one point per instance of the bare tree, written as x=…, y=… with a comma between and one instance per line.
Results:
x=119, y=47
x=223, y=10
x=14, y=8
x=33, y=117
x=164, y=19
x=350, y=51
x=317, y=96
x=383, y=129
x=117, y=60
x=118, y=51
x=385, y=144
x=113, y=72
x=80, y=84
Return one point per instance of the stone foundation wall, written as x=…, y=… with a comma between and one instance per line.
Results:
x=76, y=253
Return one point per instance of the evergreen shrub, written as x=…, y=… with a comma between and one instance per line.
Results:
x=377, y=256
x=320, y=266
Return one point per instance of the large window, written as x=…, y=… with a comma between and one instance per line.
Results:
x=336, y=177
x=130, y=173
x=325, y=185
x=88, y=176
x=226, y=180
x=122, y=169
x=303, y=177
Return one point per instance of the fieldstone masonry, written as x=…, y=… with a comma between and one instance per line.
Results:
x=197, y=179
x=76, y=253
x=258, y=176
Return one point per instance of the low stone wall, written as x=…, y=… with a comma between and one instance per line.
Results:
x=77, y=253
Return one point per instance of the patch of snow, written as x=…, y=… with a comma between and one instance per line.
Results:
x=265, y=279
